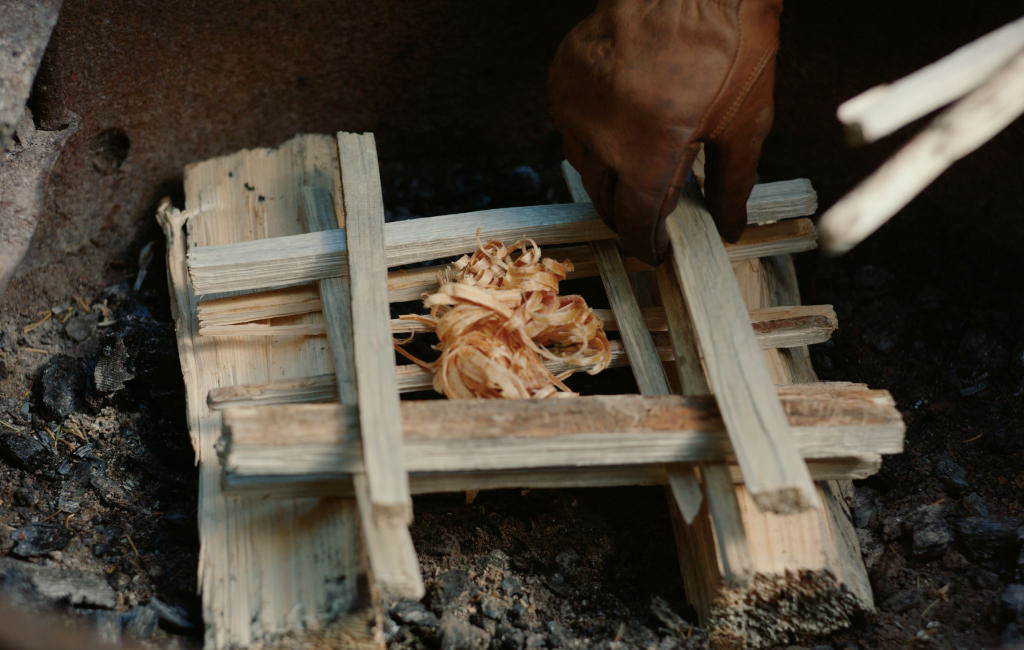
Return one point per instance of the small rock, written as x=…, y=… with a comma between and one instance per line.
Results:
x=141, y=622
x=865, y=509
x=509, y=637
x=492, y=607
x=559, y=635
x=870, y=548
x=974, y=505
x=22, y=449
x=556, y=583
x=414, y=614
x=1012, y=600
x=75, y=588
x=567, y=560
x=39, y=538
x=60, y=387
x=498, y=559
x=6, y=538
x=172, y=616
x=952, y=475
x=511, y=585
x=449, y=587
x=460, y=635
x=535, y=640
x=26, y=497
x=79, y=328
x=390, y=629
x=892, y=528
x=110, y=491
x=519, y=614
x=901, y=601
x=930, y=536
x=988, y=539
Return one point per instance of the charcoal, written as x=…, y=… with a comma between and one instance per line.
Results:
x=60, y=387
x=39, y=538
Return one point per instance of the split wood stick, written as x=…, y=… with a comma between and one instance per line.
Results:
x=775, y=473
x=403, y=285
x=636, y=338
x=321, y=388
x=266, y=567
x=958, y=131
x=723, y=507
x=387, y=483
x=393, y=562
x=774, y=327
x=299, y=259
x=881, y=110
x=477, y=435
x=334, y=298
x=248, y=481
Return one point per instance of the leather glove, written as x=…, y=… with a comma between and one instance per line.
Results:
x=637, y=87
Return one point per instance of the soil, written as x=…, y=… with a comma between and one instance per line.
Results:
x=96, y=473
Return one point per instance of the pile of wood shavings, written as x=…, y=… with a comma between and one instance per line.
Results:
x=497, y=315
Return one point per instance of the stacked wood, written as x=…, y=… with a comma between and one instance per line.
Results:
x=303, y=392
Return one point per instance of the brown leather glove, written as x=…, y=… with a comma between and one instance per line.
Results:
x=638, y=85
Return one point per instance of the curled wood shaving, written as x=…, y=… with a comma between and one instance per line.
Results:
x=497, y=314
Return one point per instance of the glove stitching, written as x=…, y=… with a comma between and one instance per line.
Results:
x=734, y=108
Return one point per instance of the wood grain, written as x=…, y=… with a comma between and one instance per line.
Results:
x=265, y=567
x=387, y=483
x=306, y=258
x=775, y=473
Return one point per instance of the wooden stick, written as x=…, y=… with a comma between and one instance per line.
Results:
x=960, y=130
x=305, y=258
x=411, y=284
x=387, y=483
x=636, y=338
x=484, y=435
x=334, y=298
x=722, y=504
x=339, y=484
x=321, y=388
x=775, y=473
x=881, y=110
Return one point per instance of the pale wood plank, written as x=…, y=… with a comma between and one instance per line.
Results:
x=958, y=131
x=771, y=202
x=306, y=258
x=775, y=473
x=335, y=299
x=479, y=435
x=387, y=483
x=265, y=567
x=879, y=111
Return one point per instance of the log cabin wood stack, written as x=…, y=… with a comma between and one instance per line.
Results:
x=281, y=270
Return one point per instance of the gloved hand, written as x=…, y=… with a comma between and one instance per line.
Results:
x=638, y=85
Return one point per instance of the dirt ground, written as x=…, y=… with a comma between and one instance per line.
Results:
x=97, y=485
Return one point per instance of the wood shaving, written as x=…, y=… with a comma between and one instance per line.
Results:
x=497, y=315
